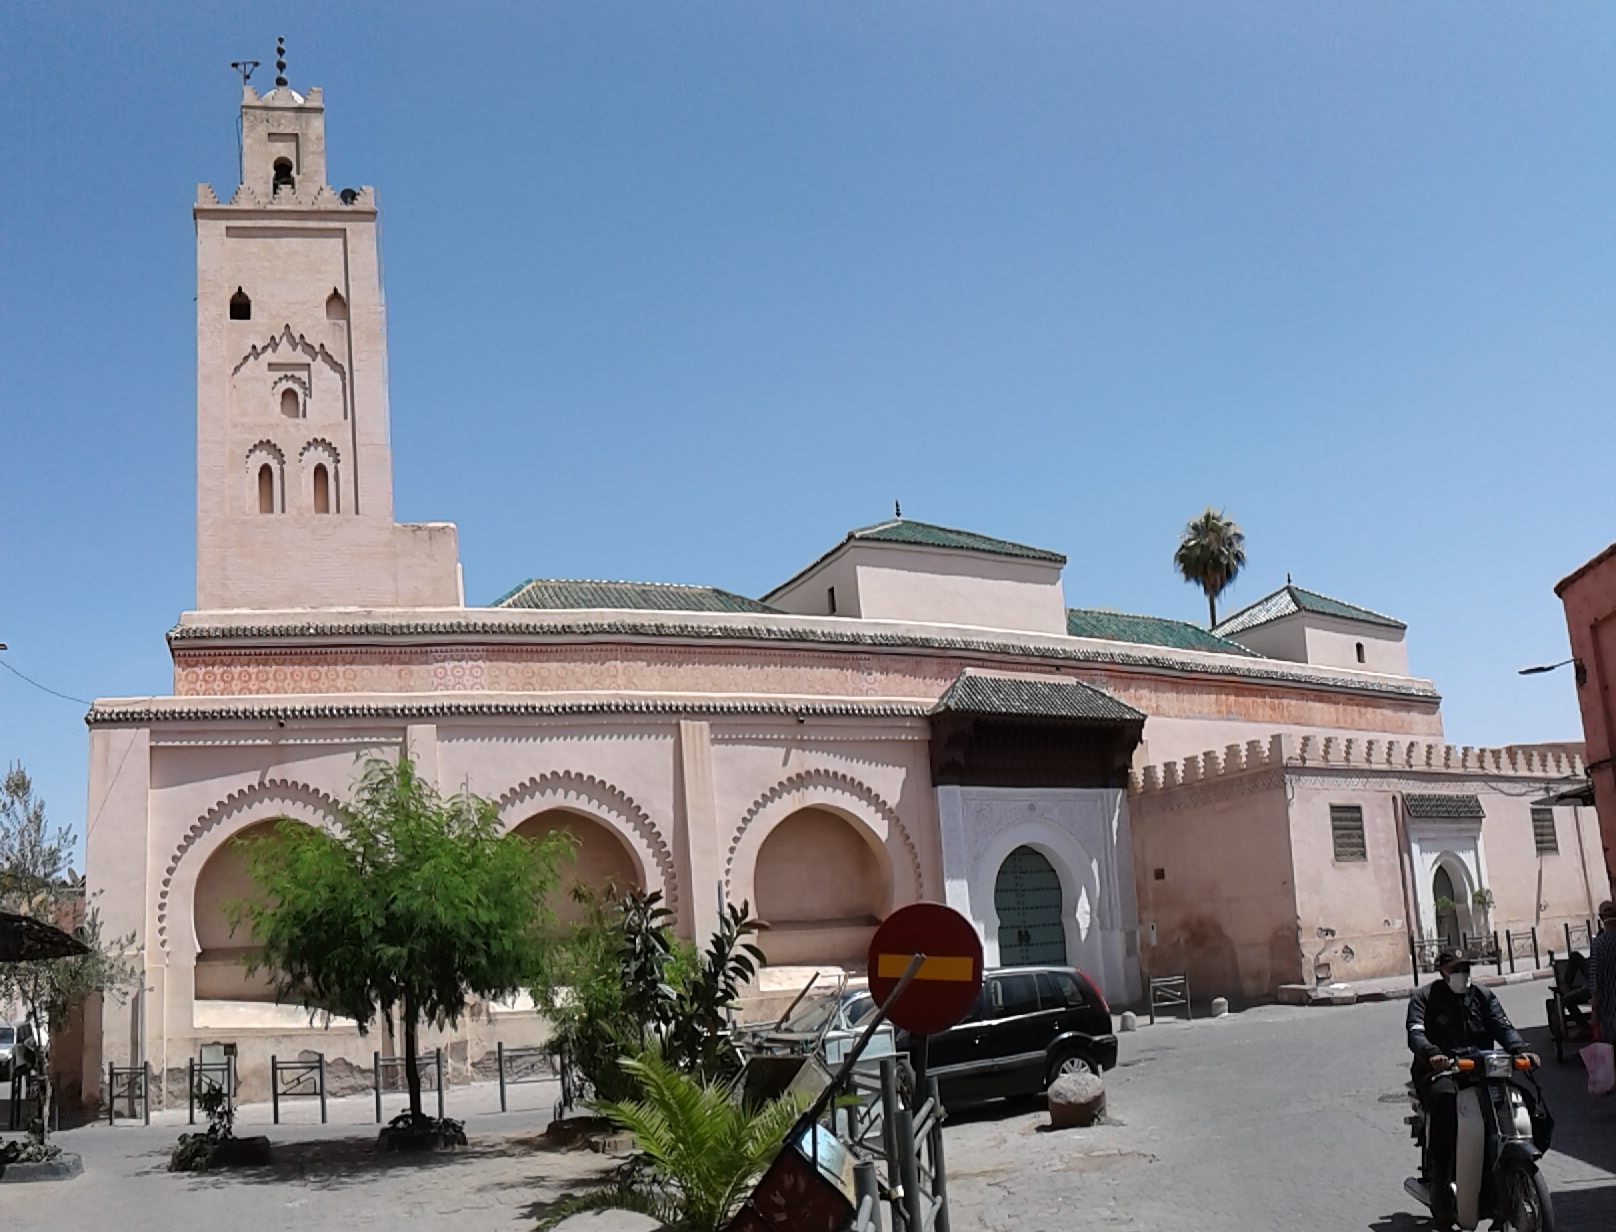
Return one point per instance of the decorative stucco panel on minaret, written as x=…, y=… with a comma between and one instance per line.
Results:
x=294, y=470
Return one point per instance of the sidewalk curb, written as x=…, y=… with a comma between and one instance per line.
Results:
x=1304, y=994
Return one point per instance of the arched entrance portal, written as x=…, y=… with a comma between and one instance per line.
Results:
x=1027, y=897
x=822, y=887
x=224, y=947
x=1446, y=901
x=602, y=862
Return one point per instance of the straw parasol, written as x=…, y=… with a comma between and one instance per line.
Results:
x=25, y=939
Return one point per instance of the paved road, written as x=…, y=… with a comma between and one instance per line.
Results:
x=1275, y=1119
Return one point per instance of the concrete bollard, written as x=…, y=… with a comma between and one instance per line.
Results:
x=1220, y=1006
x=1130, y=1021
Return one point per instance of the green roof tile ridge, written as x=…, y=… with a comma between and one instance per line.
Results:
x=929, y=534
x=1107, y=625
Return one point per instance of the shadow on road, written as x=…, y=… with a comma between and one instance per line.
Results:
x=1402, y=1221
x=1585, y=1210
x=329, y=1163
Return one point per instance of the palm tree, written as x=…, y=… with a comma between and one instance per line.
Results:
x=1211, y=552
x=700, y=1151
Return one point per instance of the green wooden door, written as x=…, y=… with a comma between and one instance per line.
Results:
x=1027, y=895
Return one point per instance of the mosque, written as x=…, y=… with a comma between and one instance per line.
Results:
x=914, y=715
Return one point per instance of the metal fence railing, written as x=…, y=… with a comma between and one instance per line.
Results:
x=211, y=1073
x=519, y=1066
x=387, y=1073
x=129, y=1083
x=1169, y=992
x=296, y=1080
x=1521, y=946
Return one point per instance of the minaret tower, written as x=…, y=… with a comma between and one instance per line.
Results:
x=294, y=493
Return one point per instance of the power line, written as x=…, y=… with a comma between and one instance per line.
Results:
x=42, y=688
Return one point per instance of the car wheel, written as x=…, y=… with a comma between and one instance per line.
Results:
x=1071, y=1063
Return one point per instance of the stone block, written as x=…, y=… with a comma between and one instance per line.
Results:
x=1075, y=1100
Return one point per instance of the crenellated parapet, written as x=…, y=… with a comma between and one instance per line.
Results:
x=1296, y=751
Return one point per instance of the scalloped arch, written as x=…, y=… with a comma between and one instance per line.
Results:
x=827, y=787
x=231, y=809
x=264, y=447
x=592, y=796
x=320, y=443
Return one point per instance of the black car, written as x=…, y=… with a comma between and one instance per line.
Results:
x=1029, y=1025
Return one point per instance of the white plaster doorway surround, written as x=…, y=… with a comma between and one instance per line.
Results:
x=1083, y=833
x=1456, y=847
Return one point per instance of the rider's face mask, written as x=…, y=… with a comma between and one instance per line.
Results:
x=1459, y=981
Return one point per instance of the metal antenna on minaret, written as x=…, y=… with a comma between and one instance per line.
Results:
x=245, y=68
x=280, y=61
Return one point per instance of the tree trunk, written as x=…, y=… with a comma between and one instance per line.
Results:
x=1211, y=611
x=412, y=1069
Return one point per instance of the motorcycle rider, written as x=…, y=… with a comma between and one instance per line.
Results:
x=1445, y=1016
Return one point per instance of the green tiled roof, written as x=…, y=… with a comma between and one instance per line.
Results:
x=924, y=534
x=1148, y=631
x=973, y=693
x=1443, y=808
x=1288, y=600
x=566, y=594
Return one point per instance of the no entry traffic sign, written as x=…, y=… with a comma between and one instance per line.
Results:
x=949, y=978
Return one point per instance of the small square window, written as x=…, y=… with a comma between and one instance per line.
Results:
x=1347, y=833
x=1543, y=834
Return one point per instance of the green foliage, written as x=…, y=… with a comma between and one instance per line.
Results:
x=413, y=905
x=619, y=981
x=36, y=880
x=1482, y=898
x=195, y=1152
x=1211, y=552
x=699, y=1150
x=697, y=1035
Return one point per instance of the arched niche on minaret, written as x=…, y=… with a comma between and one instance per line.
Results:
x=286, y=378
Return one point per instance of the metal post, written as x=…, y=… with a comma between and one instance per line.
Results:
x=274, y=1090
x=112, y=1093
x=499, y=1050
x=939, y=1172
x=1568, y=943
x=1498, y=955
x=437, y=1056
x=1536, y=962
x=190, y=1091
x=867, y=1187
x=1509, y=940
x=909, y=1169
x=376, y=1076
x=322, y=1088
x=145, y=1090
x=889, y=1135
x=230, y=1082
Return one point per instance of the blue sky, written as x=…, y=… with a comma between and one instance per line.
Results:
x=683, y=292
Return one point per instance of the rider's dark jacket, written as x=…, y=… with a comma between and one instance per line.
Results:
x=1443, y=1021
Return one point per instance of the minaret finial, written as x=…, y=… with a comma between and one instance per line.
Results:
x=897, y=510
x=280, y=61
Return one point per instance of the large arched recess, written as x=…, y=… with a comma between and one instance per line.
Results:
x=823, y=884
x=602, y=862
x=221, y=974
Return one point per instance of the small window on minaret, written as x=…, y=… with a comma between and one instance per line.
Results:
x=240, y=306
x=336, y=308
x=266, y=488
x=290, y=406
x=1360, y=652
x=322, y=489
x=283, y=175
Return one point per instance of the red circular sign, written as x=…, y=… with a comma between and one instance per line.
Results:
x=949, y=978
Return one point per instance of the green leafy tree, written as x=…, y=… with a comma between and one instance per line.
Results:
x=619, y=981
x=411, y=906
x=1211, y=552
x=699, y=1150
x=36, y=881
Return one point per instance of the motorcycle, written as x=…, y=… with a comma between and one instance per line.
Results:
x=1495, y=1158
